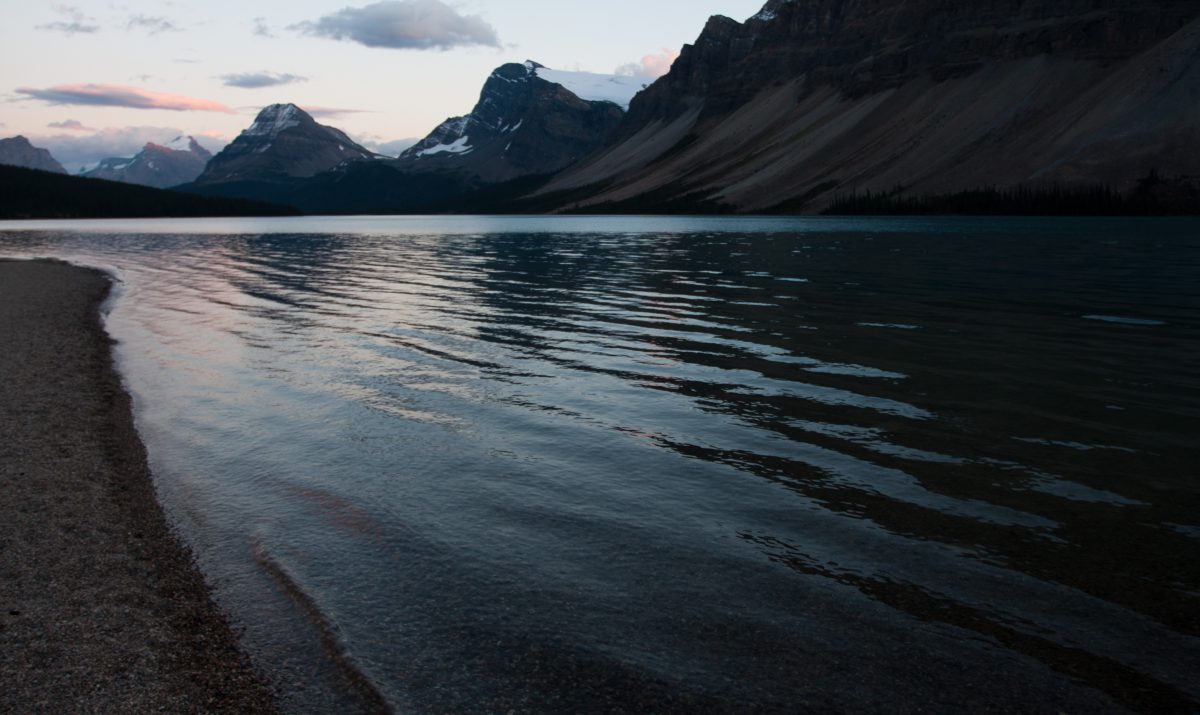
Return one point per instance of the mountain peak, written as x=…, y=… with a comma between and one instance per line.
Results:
x=186, y=144
x=277, y=118
x=770, y=11
x=528, y=120
x=158, y=165
x=283, y=143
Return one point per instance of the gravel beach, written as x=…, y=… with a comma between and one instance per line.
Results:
x=101, y=607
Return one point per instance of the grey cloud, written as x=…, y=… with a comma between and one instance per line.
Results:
x=389, y=148
x=70, y=28
x=261, y=28
x=76, y=22
x=71, y=125
x=152, y=24
x=259, y=80
x=330, y=112
x=404, y=25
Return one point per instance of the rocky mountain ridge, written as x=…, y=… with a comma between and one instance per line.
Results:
x=521, y=125
x=283, y=143
x=17, y=151
x=156, y=165
x=811, y=98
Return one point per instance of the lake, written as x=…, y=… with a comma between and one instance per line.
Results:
x=629, y=464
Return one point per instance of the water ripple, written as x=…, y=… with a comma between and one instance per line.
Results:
x=474, y=463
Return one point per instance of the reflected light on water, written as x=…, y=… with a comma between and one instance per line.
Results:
x=474, y=464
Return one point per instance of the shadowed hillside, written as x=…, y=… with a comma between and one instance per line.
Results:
x=28, y=193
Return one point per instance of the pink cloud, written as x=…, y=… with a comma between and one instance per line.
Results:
x=651, y=65
x=110, y=95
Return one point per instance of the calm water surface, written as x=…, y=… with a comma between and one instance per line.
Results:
x=576, y=464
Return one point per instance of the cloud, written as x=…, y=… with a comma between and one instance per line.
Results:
x=651, y=66
x=152, y=24
x=77, y=152
x=258, y=80
x=76, y=22
x=109, y=95
x=261, y=28
x=388, y=148
x=331, y=112
x=404, y=25
x=70, y=125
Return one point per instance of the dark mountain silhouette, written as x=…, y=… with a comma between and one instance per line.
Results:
x=814, y=99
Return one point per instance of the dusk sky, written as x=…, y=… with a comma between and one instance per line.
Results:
x=89, y=80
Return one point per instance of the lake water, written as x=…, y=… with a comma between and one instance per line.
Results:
x=479, y=464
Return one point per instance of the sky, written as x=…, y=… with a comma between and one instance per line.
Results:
x=90, y=79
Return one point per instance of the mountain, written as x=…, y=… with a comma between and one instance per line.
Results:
x=814, y=99
x=179, y=162
x=284, y=143
x=523, y=128
x=30, y=193
x=523, y=124
x=17, y=151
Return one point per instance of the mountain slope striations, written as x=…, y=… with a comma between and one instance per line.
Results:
x=809, y=99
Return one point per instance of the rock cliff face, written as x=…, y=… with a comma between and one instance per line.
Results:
x=284, y=143
x=812, y=97
x=17, y=151
x=161, y=167
x=522, y=125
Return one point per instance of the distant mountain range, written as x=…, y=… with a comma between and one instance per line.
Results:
x=808, y=105
x=523, y=125
x=159, y=166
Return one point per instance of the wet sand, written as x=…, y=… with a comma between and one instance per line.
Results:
x=101, y=607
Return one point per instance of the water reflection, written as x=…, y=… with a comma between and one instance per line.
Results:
x=509, y=466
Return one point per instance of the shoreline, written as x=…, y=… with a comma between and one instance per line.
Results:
x=102, y=607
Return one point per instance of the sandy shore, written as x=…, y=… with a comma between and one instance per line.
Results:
x=101, y=608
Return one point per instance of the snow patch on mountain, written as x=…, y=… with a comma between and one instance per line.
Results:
x=615, y=88
x=274, y=119
x=768, y=13
x=459, y=146
x=179, y=144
